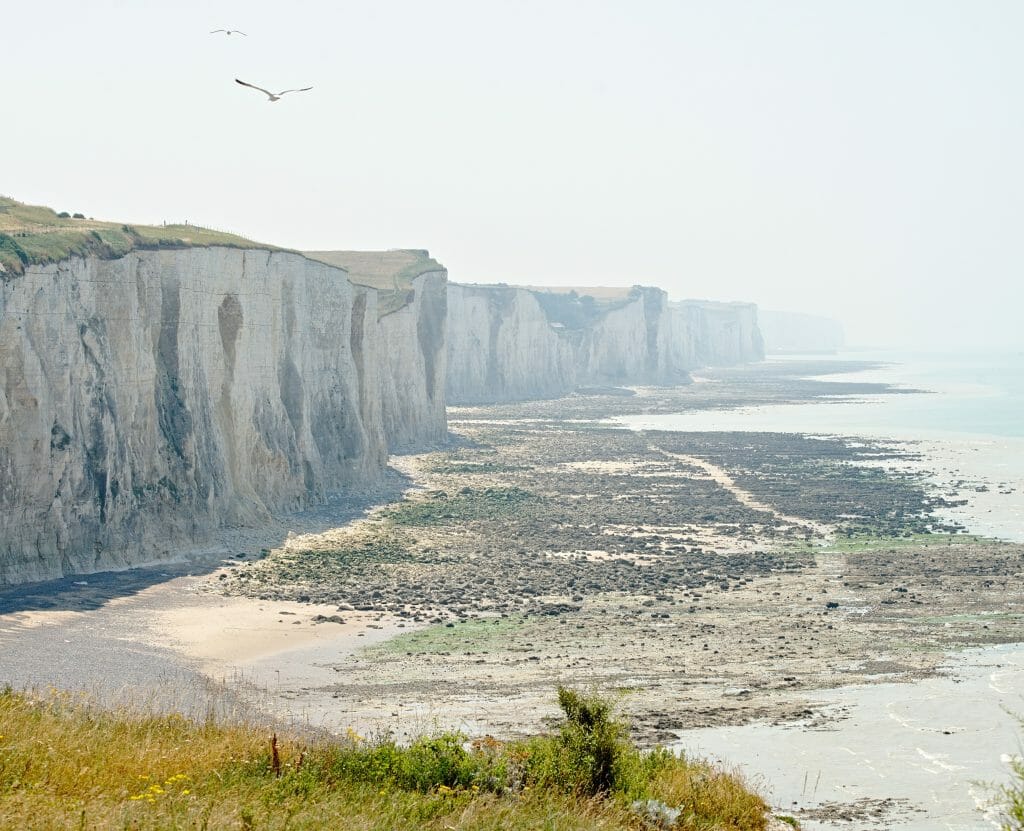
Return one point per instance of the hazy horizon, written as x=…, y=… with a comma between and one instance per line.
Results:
x=858, y=161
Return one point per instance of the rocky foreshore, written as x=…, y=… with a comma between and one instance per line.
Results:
x=721, y=578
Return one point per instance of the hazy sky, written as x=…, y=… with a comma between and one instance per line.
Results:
x=859, y=159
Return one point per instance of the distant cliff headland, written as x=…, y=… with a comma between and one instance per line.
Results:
x=161, y=382
x=795, y=332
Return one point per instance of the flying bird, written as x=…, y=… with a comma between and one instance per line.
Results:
x=229, y=32
x=273, y=96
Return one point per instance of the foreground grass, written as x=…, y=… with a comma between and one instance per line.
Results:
x=1011, y=797
x=67, y=764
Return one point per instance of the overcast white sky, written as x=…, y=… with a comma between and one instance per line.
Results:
x=860, y=159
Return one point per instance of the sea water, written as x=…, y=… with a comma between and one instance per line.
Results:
x=931, y=745
x=963, y=414
x=936, y=748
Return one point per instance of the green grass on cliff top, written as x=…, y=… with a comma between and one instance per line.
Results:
x=35, y=235
x=391, y=273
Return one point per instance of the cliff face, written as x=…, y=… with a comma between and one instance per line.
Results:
x=707, y=333
x=148, y=399
x=507, y=343
x=797, y=332
x=412, y=366
x=412, y=301
x=502, y=347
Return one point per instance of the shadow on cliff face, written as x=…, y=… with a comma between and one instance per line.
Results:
x=83, y=593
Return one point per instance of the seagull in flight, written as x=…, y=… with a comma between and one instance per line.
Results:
x=230, y=32
x=272, y=96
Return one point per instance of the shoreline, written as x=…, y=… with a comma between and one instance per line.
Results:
x=938, y=760
x=532, y=553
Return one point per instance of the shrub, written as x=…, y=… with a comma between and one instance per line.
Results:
x=78, y=216
x=436, y=761
x=591, y=755
x=1013, y=798
x=593, y=741
x=64, y=215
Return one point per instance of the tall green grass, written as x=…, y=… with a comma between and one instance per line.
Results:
x=35, y=235
x=65, y=763
x=1012, y=798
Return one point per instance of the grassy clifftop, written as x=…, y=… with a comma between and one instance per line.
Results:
x=35, y=235
x=390, y=272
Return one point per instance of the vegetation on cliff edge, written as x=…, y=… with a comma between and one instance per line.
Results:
x=66, y=763
x=35, y=235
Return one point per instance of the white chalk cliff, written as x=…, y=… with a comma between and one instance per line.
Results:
x=148, y=399
x=411, y=292
x=510, y=343
x=709, y=333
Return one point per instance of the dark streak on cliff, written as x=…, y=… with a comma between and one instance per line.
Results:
x=174, y=418
x=430, y=330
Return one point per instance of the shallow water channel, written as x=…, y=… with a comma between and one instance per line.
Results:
x=933, y=747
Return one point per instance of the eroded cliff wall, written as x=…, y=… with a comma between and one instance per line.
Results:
x=148, y=399
x=508, y=343
x=412, y=366
x=502, y=347
x=412, y=299
x=709, y=333
x=630, y=342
